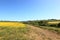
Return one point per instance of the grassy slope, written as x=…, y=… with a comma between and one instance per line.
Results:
x=12, y=33
x=26, y=33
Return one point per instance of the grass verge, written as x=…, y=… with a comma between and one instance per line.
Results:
x=54, y=29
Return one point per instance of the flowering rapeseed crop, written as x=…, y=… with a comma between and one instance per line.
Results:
x=12, y=24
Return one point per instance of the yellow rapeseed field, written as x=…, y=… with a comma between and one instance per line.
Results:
x=54, y=22
x=12, y=24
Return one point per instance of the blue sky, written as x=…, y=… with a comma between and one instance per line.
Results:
x=22, y=10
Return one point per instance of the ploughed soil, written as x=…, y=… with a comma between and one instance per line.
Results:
x=36, y=33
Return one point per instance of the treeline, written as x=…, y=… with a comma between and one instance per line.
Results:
x=43, y=23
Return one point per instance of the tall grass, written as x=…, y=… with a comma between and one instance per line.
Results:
x=11, y=33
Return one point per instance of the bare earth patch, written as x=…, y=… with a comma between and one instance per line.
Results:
x=36, y=33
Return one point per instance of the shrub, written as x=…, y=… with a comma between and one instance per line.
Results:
x=58, y=25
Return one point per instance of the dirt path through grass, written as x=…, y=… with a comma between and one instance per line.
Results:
x=42, y=34
x=28, y=33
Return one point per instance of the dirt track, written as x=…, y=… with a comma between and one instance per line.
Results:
x=41, y=34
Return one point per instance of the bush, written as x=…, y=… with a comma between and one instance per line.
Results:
x=58, y=25
x=53, y=25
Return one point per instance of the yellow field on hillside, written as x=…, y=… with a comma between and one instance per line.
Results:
x=12, y=24
x=54, y=22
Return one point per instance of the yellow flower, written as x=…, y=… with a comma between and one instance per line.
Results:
x=12, y=24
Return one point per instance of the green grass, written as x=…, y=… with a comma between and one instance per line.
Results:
x=11, y=33
x=54, y=29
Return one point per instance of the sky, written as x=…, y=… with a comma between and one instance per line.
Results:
x=23, y=10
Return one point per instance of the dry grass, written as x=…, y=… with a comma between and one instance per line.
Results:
x=53, y=29
x=12, y=33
